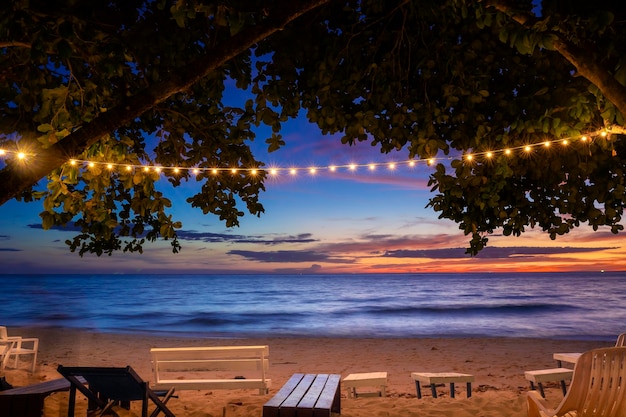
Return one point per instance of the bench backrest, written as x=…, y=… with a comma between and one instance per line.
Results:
x=597, y=388
x=201, y=361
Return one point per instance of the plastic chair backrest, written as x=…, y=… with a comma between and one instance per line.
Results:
x=597, y=385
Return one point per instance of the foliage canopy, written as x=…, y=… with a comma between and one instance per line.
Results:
x=146, y=81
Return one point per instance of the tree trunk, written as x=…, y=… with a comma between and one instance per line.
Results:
x=585, y=65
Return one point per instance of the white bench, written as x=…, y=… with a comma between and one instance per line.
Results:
x=544, y=375
x=220, y=367
x=434, y=378
x=369, y=379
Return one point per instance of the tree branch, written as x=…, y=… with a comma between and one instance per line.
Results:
x=9, y=44
x=575, y=55
x=17, y=178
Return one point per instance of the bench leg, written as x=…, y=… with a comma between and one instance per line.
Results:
x=433, y=389
x=532, y=387
x=469, y=389
x=418, y=389
x=539, y=387
x=563, y=387
x=451, y=389
x=72, y=403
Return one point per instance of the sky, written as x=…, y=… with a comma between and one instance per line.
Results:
x=361, y=221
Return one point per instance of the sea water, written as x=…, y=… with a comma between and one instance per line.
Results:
x=589, y=306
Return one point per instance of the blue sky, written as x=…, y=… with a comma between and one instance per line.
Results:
x=362, y=221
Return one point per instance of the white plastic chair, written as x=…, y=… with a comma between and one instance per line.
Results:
x=597, y=388
x=6, y=346
x=17, y=346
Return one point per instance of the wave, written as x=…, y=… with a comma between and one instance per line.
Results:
x=505, y=308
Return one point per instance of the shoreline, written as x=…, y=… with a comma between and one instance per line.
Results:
x=498, y=364
x=191, y=335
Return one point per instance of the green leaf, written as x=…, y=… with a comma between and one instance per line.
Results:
x=44, y=128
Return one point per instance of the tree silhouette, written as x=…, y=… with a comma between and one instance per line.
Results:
x=144, y=83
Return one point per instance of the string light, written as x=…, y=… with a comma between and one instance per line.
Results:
x=253, y=171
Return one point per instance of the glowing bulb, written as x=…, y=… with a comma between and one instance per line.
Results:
x=352, y=167
x=546, y=144
x=584, y=138
x=273, y=171
x=489, y=154
x=565, y=142
x=507, y=152
x=253, y=172
x=91, y=165
x=430, y=161
x=332, y=168
x=469, y=157
x=146, y=169
x=157, y=169
x=312, y=170
x=214, y=171
x=110, y=166
x=604, y=134
x=73, y=162
x=411, y=163
x=3, y=152
x=392, y=166
x=128, y=167
x=292, y=171
x=196, y=171
x=372, y=167
x=527, y=148
x=21, y=155
x=234, y=170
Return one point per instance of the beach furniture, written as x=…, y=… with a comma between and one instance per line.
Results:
x=368, y=379
x=316, y=395
x=216, y=367
x=539, y=376
x=434, y=378
x=17, y=346
x=569, y=357
x=108, y=387
x=597, y=387
x=572, y=357
x=6, y=346
x=28, y=401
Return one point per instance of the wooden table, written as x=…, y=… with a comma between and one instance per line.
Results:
x=314, y=395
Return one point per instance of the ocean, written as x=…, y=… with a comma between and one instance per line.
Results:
x=578, y=306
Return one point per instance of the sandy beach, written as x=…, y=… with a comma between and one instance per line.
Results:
x=498, y=365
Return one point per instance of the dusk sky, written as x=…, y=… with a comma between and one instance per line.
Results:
x=361, y=221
